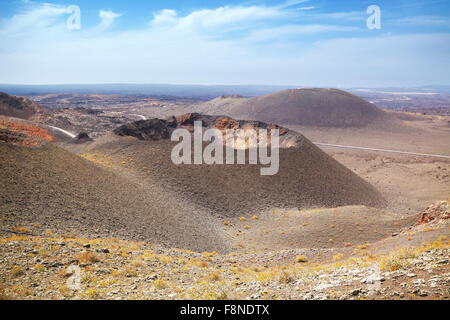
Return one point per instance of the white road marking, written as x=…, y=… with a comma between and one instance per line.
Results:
x=381, y=150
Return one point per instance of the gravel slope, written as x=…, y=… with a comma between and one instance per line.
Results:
x=50, y=186
x=307, y=178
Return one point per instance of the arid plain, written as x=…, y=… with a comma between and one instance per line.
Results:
x=349, y=216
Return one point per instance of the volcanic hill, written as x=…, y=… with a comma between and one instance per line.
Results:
x=18, y=107
x=308, y=177
x=308, y=107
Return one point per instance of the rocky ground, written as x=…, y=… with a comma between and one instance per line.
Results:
x=51, y=267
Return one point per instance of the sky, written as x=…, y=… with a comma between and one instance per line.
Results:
x=322, y=43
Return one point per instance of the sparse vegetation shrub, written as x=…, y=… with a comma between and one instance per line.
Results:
x=397, y=260
x=88, y=278
x=17, y=271
x=39, y=267
x=164, y=259
x=215, y=295
x=285, y=278
x=116, y=273
x=209, y=254
x=348, y=244
x=266, y=277
x=16, y=237
x=92, y=293
x=3, y=296
x=102, y=160
x=65, y=291
x=301, y=259
x=43, y=253
x=86, y=257
x=214, y=276
x=160, y=284
x=22, y=229
x=206, y=292
x=128, y=271
x=137, y=263
x=197, y=263
x=21, y=291
x=338, y=256
x=107, y=283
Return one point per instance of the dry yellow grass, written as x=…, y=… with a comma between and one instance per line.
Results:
x=86, y=257
x=160, y=284
x=301, y=259
x=92, y=293
x=214, y=276
x=39, y=267
x=17, y=271
x=22, y=229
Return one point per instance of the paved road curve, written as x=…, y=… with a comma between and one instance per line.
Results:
x=381, y=150
x=67, y=133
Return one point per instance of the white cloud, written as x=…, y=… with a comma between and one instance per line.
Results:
x=34, y=17
x=221, y=19
x=424, y=21
x=164, y=18
x=107, y=18
x=195, y=48
x=291, y=3
x=294, y=30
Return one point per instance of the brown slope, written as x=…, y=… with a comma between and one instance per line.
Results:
x=310, y=107
x=308, y=177
x=18, y=107
x=65, y=193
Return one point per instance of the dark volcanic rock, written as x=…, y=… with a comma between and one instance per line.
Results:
x=153, y=129
x=82, y=137
x=159, y=129
x=11, y=137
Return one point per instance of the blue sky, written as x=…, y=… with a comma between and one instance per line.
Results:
x=285, y=42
